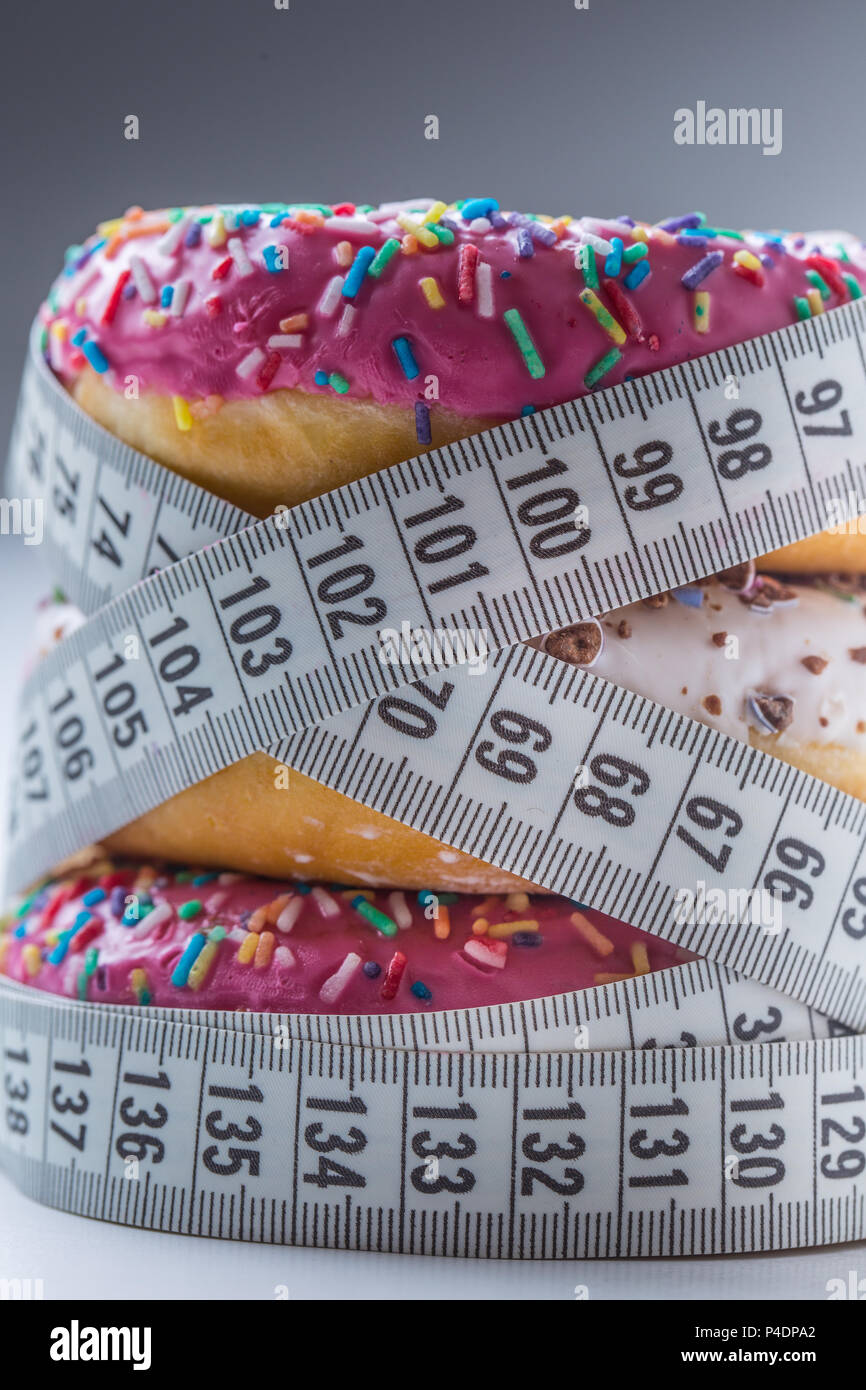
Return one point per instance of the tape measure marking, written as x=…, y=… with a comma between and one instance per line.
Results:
x=204, y=731
x=663, y=1151
x=716, y=811
x=695, y=1004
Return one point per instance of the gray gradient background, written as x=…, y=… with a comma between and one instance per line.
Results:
x=545, y=107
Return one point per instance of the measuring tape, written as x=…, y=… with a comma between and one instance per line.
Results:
x=208, y=1128
x=261, y=639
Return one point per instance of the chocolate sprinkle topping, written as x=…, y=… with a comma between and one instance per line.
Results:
x=758, y=600
x=775, y=590
x=777, y=710
x=858, y=654
x=578, y=645
x=712, y=704
x=815, y=664
x=624, y=629
x=657, y=601
x=719, y=639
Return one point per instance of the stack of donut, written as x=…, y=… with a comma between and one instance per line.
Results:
x=273, y=353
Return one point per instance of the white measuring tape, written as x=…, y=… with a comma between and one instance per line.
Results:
x=262, y=640
x=208, y=1130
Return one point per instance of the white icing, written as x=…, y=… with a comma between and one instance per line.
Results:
x=670, y=651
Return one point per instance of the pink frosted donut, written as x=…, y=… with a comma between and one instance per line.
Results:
x=508, y=311
x=139, y=935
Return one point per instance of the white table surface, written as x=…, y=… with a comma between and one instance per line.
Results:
x=77, y=1258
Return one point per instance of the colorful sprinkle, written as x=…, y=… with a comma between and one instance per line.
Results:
x=585, y=262
x=247, y=949
x=32, y=958
x=328, y=906
x=429, y=287
x=637, y=276
x=203, y=963
x=816, y=303
x=250, y=363
x=486, y=952
x=613, y=264
x=602, y=316
x=484, y=289
x=387, y=251
x=406, y=357
x=601, y=368
x=393, y=976
x=264, y=950
x=702, y=311
x=701, y=269
x=478, y=207
x=190, y=955
x=357, y=272
x=95, y=356
x=625, y=310
x=290, y=913
x=238, y=254
x=374, y=915
x=817, y=282
x=425, y=235
x=423, y=429
x=182, y=416
x=330, y=299
x=400, y=910
x=110, y=309
x=596, y=940
x=639, y=958
x=501, y=930
x=216, y=232
x=466, y=263
x=520, y=334
x=336, y=983
x=140, y=986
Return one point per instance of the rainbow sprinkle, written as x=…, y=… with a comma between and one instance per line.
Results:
x=528, y=351
x=386, y=253
x=603, y=317
x=429, y=287
x=585, y=262
x=406, y=357
x=374, y=915
x=602, y=367
x=191, y=952
x=637, y=275
x=357, y=272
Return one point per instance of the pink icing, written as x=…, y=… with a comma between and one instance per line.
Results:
x=100, y=961
x=478, y=368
